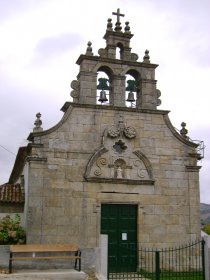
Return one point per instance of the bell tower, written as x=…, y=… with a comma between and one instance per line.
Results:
x=116, y=90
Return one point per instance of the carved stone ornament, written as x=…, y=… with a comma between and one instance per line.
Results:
x=38, y=123
x=109, y=25
x=100, y=162
x=102, y=52
x=141, y=173
x=113, y=132
x=75, y=86
x=89, y=49
x=129, y=132
x=158, y=92
x=134, y=56
x=119, y=146
x=146, y=58
x=184, y=131
x=159, y=102
x=97, y=172
x=129, y=168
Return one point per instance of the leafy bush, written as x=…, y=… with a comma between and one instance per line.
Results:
x=11, y=232
x=206, y=229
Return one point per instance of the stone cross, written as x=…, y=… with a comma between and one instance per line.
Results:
x=118, y=14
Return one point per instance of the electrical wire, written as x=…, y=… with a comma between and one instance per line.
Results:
x=7, y=150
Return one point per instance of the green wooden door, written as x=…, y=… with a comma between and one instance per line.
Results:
x=119, y=221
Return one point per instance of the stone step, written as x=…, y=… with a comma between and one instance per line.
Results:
x=56, y=274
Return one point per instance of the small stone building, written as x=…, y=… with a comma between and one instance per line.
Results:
x=12, y=196
x=11, y=200
x=114, y=164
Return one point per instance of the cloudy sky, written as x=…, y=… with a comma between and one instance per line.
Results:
x=42, y=39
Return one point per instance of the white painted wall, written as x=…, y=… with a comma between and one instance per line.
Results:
x=102, y=272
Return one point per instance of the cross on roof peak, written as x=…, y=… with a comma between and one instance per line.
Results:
x=118, y=14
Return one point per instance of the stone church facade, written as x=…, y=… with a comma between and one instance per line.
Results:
x=114, y=164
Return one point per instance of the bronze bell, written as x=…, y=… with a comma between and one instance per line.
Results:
x=130, y=97
x=103, y=96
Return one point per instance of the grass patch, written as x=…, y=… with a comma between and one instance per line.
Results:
x=165, y=275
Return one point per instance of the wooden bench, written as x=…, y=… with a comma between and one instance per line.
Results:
x=54, y=251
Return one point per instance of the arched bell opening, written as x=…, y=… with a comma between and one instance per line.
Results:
x=132, y=89
x=119, y=51
x=104, y=75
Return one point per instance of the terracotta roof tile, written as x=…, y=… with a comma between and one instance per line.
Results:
x=11, y=193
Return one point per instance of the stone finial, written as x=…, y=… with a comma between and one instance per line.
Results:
x=127, y=27
x=109, y=25
x=184, y=131
x=118, y=27
x=146, y=57
x=89, y=49
x=38, y=123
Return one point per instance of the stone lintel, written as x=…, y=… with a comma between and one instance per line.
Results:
x=193, y=168
x=31, y=158
x=120, y=181
x=35, y=145
x=117, y=35
x=127, y=166
x=114, y=108
x=150, y=81
x=196, y=155
x=115, y=61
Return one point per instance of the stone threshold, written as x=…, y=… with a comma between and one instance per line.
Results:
x=50, y=274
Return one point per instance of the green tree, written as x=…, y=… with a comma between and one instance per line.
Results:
x=206, y=229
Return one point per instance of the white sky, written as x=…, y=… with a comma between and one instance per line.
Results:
x=42, y=39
